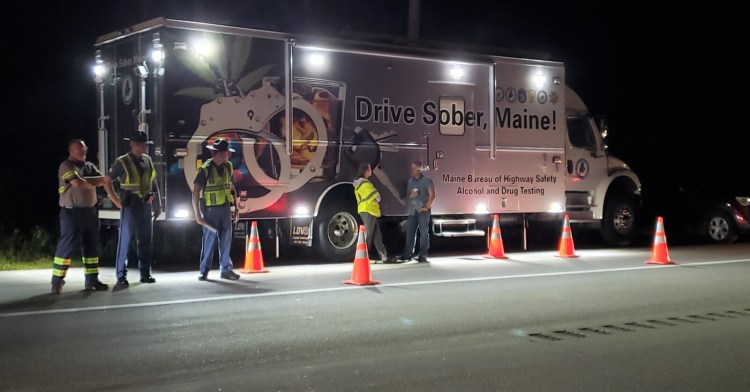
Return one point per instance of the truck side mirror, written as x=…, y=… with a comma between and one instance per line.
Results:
x=601, y=122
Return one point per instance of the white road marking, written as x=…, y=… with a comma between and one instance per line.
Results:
x=342, y=288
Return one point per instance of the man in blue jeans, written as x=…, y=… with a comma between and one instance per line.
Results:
x=213, y=197
x=420, y=194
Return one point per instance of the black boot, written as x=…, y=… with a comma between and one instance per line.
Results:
x=57, y=284
x=93, y=284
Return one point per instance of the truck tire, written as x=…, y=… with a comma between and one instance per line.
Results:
x=336, y=230
x=618, y=224
x=720, y=228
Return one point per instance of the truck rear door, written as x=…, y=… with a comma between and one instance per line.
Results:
x=450, y=145
x=527, y=174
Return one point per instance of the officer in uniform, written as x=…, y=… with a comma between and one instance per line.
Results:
x=213, y=197
x=139, y=193
x=79, y=221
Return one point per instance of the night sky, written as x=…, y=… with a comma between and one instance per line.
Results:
x=668, y=79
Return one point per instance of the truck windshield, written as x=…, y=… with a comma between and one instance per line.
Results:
x=580, y=133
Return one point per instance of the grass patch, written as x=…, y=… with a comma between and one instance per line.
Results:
x=32, y=250
x=39, y=263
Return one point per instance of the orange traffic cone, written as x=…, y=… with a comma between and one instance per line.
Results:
x=566, y=248
x=496, y=248
x=361, y=275
x=253, y=254
x=659, y=252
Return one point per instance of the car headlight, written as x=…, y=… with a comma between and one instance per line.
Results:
x=743, y=200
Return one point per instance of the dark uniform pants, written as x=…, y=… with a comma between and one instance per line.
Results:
x=79, y=232
x=135, y=219
x=373, y=234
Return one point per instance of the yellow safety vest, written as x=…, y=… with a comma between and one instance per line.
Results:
x=218, y=189
x=367, y=198
x=135, y=182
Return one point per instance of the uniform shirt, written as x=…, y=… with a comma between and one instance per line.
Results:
x=202, y=177
x=118, y=170
x=76, y=197
x=423, y=186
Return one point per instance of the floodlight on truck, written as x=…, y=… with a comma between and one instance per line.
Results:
x=317, y=60
x=539, y=80
x=203, y=48
x=98, y=68
x=182, y=213
x=456, y=72
x=157, y=53
x=301, y=211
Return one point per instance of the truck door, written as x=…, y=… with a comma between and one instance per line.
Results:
x=584, y=161
x=450, y=146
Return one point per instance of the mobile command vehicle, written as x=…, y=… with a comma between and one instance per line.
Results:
x=497, y=135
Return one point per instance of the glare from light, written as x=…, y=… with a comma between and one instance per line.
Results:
x=301, y=211
x=555, y=207
x=456, y=73
x=157, y=55
x=481, y=209
x=182, y=213
x=744, y=201
x=99, y=70
x=317, y=60
x=203, y=48
x=539, y=80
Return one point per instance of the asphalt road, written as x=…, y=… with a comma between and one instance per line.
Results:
x=602, y=322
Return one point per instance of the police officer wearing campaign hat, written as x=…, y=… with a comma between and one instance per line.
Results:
x=139, y=196
x=213, y=197
x=79, y=221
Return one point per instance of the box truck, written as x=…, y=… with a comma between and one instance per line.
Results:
x=497, y=135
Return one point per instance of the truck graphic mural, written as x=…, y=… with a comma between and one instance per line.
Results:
x=303, y=113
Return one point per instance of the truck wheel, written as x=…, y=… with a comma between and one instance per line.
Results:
x=336, y=230
x=720, y=228
x=618, y=223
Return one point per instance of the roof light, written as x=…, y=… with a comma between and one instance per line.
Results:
x=203, y=47
x=539, y=80
x=317, y=60
x=456, y=72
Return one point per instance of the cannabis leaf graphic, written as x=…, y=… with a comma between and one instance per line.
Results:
x=224, y=72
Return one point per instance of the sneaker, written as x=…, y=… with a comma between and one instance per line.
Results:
x=422, y=259
x=392, y=260
x=229, y=275
x=96, y=286
x=203, y=276
x=148, y=279
x=57, y=286
x=122, y=283
x=403, y=259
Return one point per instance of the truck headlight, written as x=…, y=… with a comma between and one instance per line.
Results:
x=743, y=200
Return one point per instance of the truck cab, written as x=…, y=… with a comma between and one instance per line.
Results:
x=600, y=189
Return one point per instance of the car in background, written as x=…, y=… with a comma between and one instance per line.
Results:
x=716, y=215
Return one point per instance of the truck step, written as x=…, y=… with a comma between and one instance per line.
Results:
x=470, y=233
x=456, y=228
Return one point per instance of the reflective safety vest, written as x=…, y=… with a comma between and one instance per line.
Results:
x=218, y=189
x=135, y=182
x=367, y=198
